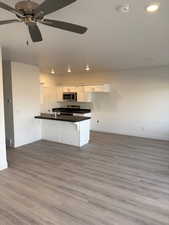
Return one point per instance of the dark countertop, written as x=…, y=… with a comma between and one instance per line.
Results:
x=71, y=110
x=72, y=119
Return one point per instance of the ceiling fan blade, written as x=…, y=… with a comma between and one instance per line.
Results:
x=10, y=9
x=64, y=26
x=34, y=32
x=2, y=22
x=49, y=6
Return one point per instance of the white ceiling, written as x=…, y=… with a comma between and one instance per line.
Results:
x=114, y=41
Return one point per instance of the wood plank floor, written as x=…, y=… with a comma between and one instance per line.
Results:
x=115, y=180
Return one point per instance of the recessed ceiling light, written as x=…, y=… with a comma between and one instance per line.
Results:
x=69, y=69
x=52, y=71
x=153, y=7
x=87, y=67
x=123, y=8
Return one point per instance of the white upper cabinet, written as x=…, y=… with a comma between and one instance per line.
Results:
x=69, y=89
x=98, y=88
x=59, y=91
x=82, y=95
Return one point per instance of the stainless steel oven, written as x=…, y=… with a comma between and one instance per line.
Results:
x=70, y=96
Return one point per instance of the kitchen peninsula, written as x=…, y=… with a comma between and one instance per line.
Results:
x=66, y=129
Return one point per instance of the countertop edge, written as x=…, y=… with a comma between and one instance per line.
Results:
x=63, y=119
x=70, y=110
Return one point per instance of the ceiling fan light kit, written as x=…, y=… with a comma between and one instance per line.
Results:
x=32, y=13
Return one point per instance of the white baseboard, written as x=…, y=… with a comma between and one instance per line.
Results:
x=157, y=138
x=3, y=166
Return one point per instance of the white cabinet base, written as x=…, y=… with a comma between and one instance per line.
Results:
x=76, y=134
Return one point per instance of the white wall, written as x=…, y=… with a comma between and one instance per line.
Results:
x=26, y=103
x=138, y=104
x=3, y=160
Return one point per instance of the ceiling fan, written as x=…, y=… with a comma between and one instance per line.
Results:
x=32, y=13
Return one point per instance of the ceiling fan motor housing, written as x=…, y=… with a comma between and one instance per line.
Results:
x=27, y=7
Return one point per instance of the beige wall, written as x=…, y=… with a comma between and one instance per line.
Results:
x=137, y=105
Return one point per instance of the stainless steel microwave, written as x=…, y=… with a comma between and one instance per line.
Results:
x=70, y=96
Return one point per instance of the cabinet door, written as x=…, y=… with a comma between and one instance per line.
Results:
x=106, y=88
x=82, y=95
x=59, y=96
x=87, y=97
x=69, y=89
x=98, y=88
x=66, y=89
x=89, y=88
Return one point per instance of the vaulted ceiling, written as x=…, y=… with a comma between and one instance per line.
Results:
x=114, y=40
